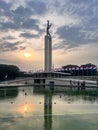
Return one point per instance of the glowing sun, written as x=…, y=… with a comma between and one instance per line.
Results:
x=27, y=54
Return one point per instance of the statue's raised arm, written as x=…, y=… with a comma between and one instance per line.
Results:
x=48, y=27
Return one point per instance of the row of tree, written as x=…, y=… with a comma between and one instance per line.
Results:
x=8, y=72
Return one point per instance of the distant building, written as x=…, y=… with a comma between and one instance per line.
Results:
x=73, y=69
x=89, y=69
x=83, y=70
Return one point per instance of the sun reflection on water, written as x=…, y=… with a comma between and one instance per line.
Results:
x=26, y=109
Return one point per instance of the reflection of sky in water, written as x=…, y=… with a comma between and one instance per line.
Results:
x=47, y=111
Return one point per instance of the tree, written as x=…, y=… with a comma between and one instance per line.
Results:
x=8, y=72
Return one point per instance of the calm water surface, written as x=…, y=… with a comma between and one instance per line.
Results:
x=30, y=108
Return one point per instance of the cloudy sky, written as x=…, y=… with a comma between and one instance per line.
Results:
x=74, y=32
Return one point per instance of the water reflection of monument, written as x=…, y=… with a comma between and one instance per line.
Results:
x=48, y=94
x=48, y=111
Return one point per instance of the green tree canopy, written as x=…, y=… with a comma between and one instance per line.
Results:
x=8, y=71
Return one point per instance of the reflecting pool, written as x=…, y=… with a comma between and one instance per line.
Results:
x=39, y=108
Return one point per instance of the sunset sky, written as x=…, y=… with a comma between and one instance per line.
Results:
x=74, y=32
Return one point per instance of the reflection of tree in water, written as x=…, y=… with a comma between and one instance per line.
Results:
x=87, y=95
x=72, y=95
x=8, y=92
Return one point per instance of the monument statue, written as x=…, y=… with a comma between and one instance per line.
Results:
x=48, y=27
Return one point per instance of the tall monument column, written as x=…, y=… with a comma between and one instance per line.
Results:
x=48, y=49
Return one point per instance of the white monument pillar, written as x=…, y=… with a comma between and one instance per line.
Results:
x=48, y=53
x=48, y=49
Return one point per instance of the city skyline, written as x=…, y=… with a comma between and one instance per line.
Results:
x=74, y=32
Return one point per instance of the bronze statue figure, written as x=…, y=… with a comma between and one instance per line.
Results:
x=48, y=27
